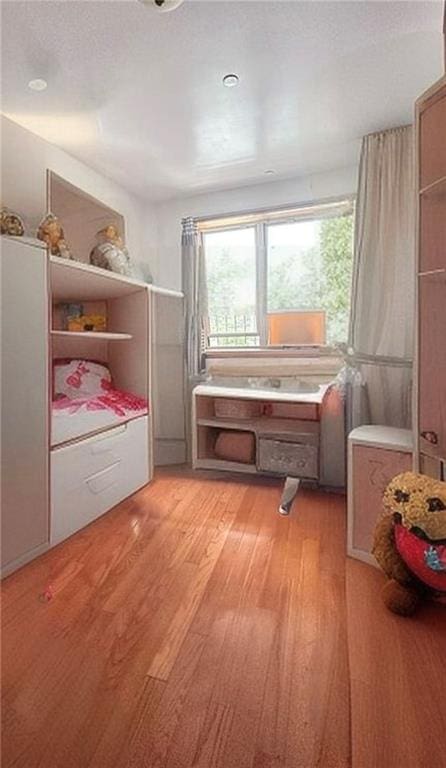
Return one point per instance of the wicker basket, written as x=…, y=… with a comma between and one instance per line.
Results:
x=228, y=408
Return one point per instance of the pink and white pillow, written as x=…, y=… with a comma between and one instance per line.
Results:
x=80, y=378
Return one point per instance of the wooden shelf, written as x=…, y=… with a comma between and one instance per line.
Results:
x=439, y=275
x=228, y=466
x=105, y=336
x=77, y=281
x=436, y=188
x=266, y=425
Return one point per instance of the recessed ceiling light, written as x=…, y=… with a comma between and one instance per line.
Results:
x=269, y=172
x=162, y=6
x=38, y=84
x=230, y=80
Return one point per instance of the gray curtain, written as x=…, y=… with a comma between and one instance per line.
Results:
x=195, y=294
x=195, y=314
x=383, y=303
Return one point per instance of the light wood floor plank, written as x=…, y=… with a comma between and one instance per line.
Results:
x=192, y=627
x=398, y=674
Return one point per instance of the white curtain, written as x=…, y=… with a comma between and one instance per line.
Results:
x=383, y=304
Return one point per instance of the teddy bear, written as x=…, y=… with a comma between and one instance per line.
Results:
x=410, y=541
x=51, y=232
x=11, y=223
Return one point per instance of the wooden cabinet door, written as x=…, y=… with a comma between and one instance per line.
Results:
x=373, y=469
x=432, y=366
x=431, y=466
x=24, y=401
x=432, y=139
x=433, y=229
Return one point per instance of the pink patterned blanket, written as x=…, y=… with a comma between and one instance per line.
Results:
x=120, y=403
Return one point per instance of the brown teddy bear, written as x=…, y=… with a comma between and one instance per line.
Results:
x=51, y=232
x=410, y=541
x=11, y=223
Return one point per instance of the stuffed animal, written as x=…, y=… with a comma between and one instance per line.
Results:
x=11, y=223
x=51, y=232
x=110, y=251
x=410, y=541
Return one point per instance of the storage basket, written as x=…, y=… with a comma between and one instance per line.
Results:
x=235, y=446
x=229, y=408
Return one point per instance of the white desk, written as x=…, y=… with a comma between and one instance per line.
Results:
x=286, y=428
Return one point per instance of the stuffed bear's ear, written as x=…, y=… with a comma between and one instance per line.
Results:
x=435, y=504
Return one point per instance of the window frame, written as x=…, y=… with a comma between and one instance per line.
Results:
x=260, y=220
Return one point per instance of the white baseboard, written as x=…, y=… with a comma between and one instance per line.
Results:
x=365, y=557
x=169, y=452
x=14, y=565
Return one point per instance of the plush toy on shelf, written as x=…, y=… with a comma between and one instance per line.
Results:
x=410, y=541
x=11, y=223
x=51, y=232
x=110, y=251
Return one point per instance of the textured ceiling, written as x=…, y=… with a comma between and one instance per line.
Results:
x=138, y=95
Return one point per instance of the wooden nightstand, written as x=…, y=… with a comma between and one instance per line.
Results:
x=375, y=455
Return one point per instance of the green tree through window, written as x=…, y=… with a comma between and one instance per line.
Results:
x=309, y=267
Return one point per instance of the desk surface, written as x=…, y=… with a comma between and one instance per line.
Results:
x=246, y=393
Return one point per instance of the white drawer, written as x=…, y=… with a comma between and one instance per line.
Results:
x=285, y=458
x=91, y=476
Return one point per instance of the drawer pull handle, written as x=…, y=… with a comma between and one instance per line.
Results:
x=430, y=436
x=102, y=480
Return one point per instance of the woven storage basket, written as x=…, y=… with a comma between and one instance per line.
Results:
x=227, y=408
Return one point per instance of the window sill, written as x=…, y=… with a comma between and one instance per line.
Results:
x=318, y=363
x=213, y=353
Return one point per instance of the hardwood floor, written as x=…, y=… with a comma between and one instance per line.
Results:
x=398, y=678
x=193, y=626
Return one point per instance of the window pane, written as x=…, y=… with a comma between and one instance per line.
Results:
x=309, y=280
x=231, y=283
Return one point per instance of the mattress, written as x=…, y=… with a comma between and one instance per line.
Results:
x=75, y=418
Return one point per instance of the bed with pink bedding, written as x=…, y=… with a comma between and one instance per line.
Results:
x=85, y=401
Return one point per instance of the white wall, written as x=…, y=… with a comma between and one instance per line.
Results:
x=167, y=270
x=25, y=160
x=153, y=231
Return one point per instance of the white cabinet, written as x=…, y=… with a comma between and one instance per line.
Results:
x=430, y=412
x=91, y=476
x=24, y=401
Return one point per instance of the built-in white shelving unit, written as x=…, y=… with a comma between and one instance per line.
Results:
x=59, y=487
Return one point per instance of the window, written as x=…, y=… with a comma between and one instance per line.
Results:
x=231, y=285
x=281, y=278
